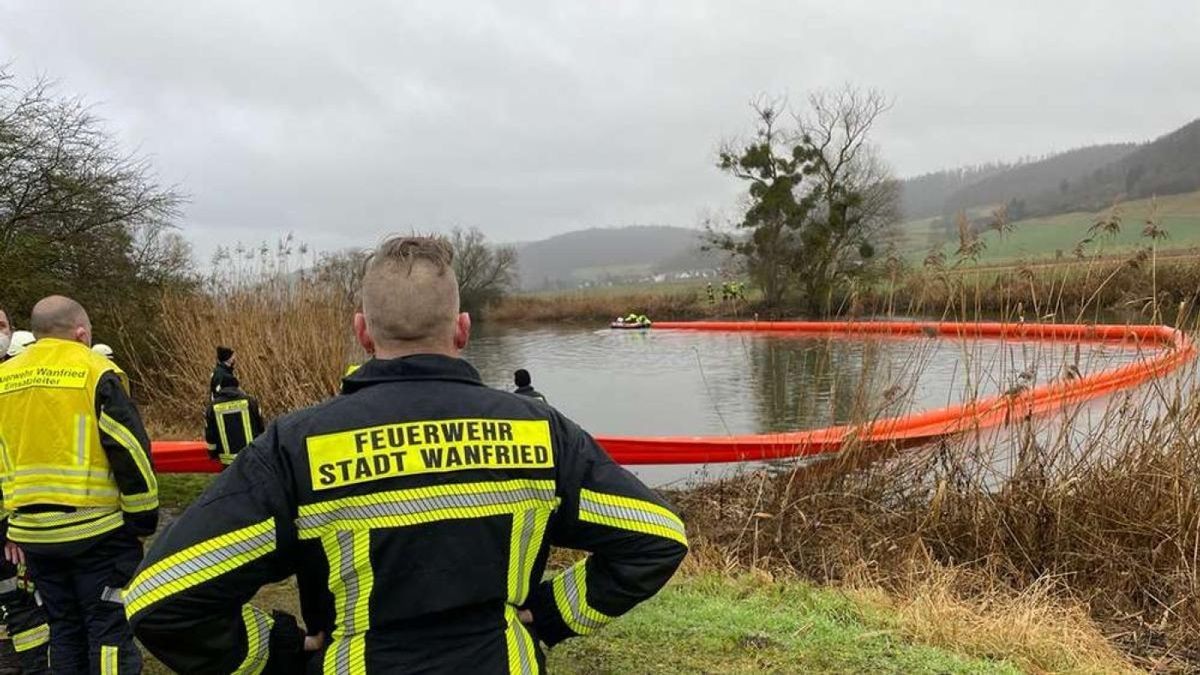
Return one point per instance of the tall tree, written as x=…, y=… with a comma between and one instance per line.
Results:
x=78, y=215
x=819, y=196
x=485, y=272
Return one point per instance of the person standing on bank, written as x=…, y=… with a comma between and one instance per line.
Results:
x=524, y=383
x=434, y=500
x=222, y=372
x=231, y=422
x=79, y=487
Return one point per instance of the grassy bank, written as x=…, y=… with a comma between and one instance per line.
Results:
x=750, y=623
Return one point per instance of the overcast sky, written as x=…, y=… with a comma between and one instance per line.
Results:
x=342, y=121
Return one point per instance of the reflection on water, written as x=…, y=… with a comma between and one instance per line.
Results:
x=663, y=382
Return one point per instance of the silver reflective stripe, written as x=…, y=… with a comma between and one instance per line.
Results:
x=94, y=474
x=8, y=585
x=575, y=602
x=81, y=438
x=625, y=513
x=523, y=643
x=110, y=594
x=528, y=521
x=414, y=507
x=62, y=490
x=349, y=576
x=195, y=564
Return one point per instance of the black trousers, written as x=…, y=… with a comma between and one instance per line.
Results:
x=25, y=620
x=80, y=594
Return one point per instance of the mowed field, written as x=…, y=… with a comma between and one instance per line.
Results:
x=1043, y=238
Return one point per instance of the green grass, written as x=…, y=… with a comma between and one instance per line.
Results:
x=707, y=624
x=715, y=625
x=1042, y=238
x=177, y=490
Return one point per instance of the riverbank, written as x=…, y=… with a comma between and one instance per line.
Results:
x=719, y=616
x=1134, y=285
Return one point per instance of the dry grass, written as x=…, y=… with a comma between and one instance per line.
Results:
x=1035, y=629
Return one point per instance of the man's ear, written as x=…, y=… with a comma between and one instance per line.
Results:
x=462, y=331
x=83, y=335
x=360, y=332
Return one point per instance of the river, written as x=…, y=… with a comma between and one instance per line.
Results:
x=662, y=382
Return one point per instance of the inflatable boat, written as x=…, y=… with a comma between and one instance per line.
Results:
x=621, y=325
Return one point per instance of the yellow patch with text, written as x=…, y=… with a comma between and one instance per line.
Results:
x=427, y=446
x=43, y=376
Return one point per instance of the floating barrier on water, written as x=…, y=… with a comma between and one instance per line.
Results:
x=1174, y=350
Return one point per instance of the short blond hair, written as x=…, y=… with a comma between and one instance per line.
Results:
x=409, y=290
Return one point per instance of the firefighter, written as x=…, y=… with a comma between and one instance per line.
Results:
x=524, y=384
x=79, y=487
x=19, y=342
x=222, y=371
x=231, y=422
x=431, y=500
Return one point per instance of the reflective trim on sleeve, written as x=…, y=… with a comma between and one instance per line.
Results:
x=199, y=563
x=31, y=639
x=8, y=585
x=570, y=597
x=626, y=513
x=127, y=440
x=522, y=659
x=258, y=640
x=351, y=580
x=57, y=528
x=138, y=503
x=416, y=506
x=525, y=540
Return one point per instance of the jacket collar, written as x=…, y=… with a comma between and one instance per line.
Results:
x=409, y=368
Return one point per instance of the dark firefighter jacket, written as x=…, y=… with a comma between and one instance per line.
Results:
x=76, y=458
x=222, y=375
x=231, y=421
x=529, y=391
x=433, y=502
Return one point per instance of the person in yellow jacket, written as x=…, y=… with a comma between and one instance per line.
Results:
x=78, y=487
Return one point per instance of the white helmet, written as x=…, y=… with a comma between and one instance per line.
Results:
x=103, y=350
x=20, y=340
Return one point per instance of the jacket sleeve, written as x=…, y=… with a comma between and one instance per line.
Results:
x=256, y=420
x=636, y=541
x=212, y=436
x=127, y=446
x=188, y=604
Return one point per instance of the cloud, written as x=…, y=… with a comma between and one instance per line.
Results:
x=345, y=121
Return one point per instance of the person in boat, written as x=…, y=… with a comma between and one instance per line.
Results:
x=524, y=384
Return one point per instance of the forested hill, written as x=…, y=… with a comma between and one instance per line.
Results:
x=597, y=253
x=1084, y=179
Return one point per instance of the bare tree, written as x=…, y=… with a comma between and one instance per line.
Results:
x=819, y=196
x=485, y=272
x=858, y=196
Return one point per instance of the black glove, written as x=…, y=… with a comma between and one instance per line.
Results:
x=286, y=644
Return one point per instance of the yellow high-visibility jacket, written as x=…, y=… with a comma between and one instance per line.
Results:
x=74, y=456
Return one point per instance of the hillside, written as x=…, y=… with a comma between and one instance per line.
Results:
x=1021, y=183
x=599, y=253
x=1166, y=166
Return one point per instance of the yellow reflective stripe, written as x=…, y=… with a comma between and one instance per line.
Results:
x=40, y=470
x=108, y=660
x=525, y=540
x=139, y=503
x=626, y=513
x=570, y=597
x=31, y=639
x=522, y=659
x=126, y=438
x=57, y=534
x=416, y=506
x=50, y=519
x=351, y=580
x=199, y=563
x=258, y=632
